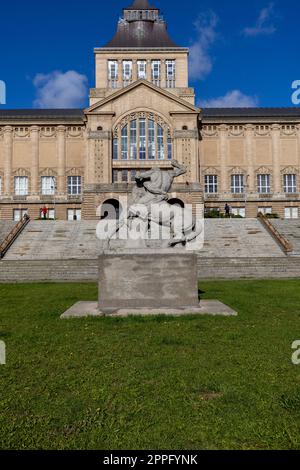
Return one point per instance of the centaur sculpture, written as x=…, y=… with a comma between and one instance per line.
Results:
x=149, y=204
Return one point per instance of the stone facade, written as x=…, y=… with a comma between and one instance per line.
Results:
x=142, y=113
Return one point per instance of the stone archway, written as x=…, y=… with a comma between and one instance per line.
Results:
x=111, y=209
x=176, y=202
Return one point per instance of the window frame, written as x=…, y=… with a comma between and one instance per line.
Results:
x=290, y=187
x=211, y=184
x=45, y=189
x=264, y=187
x=19, y=189
x=74, y=181
x=237, y=184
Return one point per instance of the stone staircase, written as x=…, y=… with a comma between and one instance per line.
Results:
x=68, y=251
x=238, y=238
x=224, y=238
x=47, y=240
x=290, y=229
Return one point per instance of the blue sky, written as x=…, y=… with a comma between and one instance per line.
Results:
x=243, y=53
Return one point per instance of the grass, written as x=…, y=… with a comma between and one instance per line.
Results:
x=159, y=383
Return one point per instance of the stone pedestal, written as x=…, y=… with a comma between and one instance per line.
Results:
x=148, y=279
x=148, y=282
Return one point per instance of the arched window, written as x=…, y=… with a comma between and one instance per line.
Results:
x=142, y=136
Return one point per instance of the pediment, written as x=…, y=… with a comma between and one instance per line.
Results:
x=142, y=92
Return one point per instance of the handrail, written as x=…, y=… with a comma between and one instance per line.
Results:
x=284, y=244
x=13, y=235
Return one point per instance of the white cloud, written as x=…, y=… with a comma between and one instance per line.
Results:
x=263, y=25
x=232, y=99
x=200, y=60
x=60, y=90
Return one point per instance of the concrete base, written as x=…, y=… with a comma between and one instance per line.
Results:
x=206, y=307
x=148, y=279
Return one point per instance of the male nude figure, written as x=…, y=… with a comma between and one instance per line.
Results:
x=157, y=183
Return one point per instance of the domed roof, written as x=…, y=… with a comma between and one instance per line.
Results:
x=141, y=5
x=141, y=26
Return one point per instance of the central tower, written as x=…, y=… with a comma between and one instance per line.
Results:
x=141, y=50
x=142, y=112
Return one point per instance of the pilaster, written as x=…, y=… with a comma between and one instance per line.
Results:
x=275, y=133
x=61, y=154
x=8, y=156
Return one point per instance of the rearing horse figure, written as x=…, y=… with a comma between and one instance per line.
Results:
x=150, y=203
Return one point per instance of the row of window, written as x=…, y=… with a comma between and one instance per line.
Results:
x=124, y=176
x=143, y=139
x=48, y=185
x=127, y=72
x=134, y=15
x=72, y=214
x=263, y=184
x=289, y=212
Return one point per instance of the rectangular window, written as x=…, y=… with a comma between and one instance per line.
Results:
x=127, y=72
x=142, y=69
x=113, y=73
x=74, y=214
x=291, y=212
x=19, y=214
x=115, y=176
x=170, y=73
x=124, y=176
x=133, y=140
x=239, y=211
x=115, y=149
x=51, y=214
x=263, y=184
x=160, y=143
x=48, y=185
x=21, y=185
x=155, y=67
x=265, y=210
x=290, y=185
x=132, y=175
x=74, y=185
x=211, y=184
x=113, y=70
x=237, y=184
x=124, y=139
x=142, y=144
x=151, y=140
x=170, y=156
x=0, y=185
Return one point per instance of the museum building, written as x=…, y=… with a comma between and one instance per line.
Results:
x=142, y=114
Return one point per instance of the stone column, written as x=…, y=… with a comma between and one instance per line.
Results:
x=163, y=82
x=149, y=71
x=8, y=156
x=120, y=74
x=223, y=129
x=275, y=132
x=34, y=134
x=249, y=182
x=61, y=157
x=134, y=71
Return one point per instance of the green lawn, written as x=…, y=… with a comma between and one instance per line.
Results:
x=159, y=383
